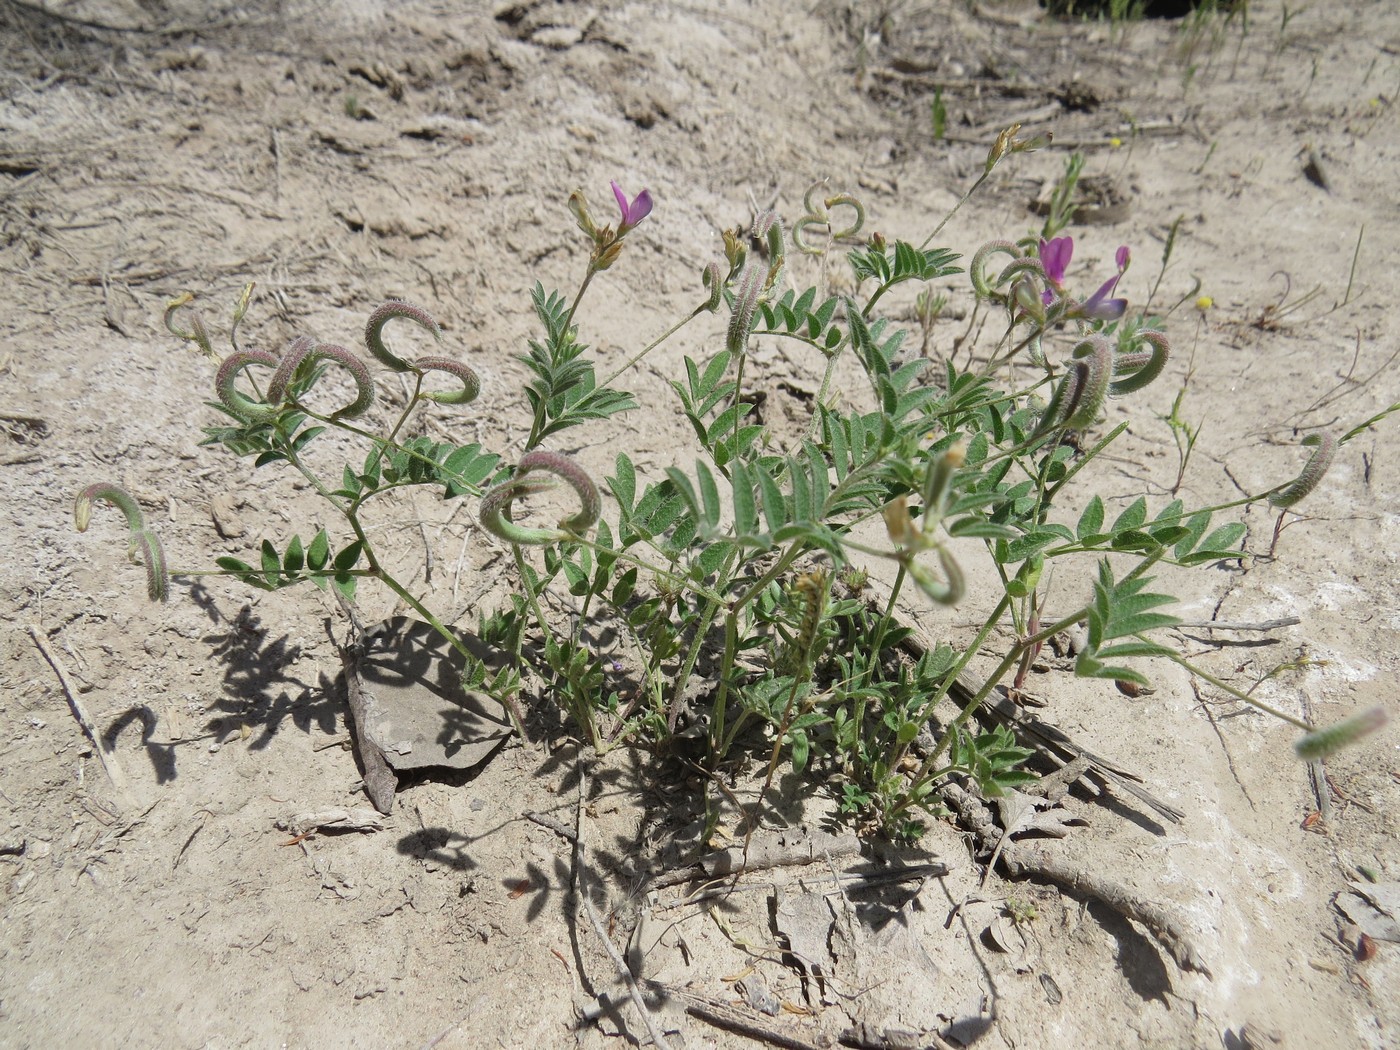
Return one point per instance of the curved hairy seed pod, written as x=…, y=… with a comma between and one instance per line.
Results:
x=496, y=503
x=1028, y=266
x=374, y=328
x=944, y=593
x=713, y=278
x=813, y=215
x=244, y=408
x=197, y=334
x=1081, y=393
x=853, y=203
x=304, y=351
x=1140, y=367
x=745, y=300
x=977, y=269
x=1323, y=742
x=142, y=540
x=1093, y=358
x=147, y=544
x=770, y=228
x=1324, y=447
x=939, y=481
x=471, y=386
x=799, y=231
x=117, y=497
x=817, y=215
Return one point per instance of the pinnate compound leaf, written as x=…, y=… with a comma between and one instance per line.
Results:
x=465, y=468
x=1196, y=526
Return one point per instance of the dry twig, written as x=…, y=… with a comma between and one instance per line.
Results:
x=600, y=927
x=109, y=762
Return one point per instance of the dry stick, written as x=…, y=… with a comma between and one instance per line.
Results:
x=865, y=1037
x=380, y=782
x=600, y=928
x=109, y=762
x=725, y=1017
x=1230, y=625
x=1022, y=859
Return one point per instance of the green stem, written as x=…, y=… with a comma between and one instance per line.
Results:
x=632, y=361
x=878, y=639
x=450, y=636
x=712, y=606
x=719, y=743
x=1269, y=709
x=939, y=228
x=641, y=563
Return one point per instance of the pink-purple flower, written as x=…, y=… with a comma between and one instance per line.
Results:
x=633, y=211
x=1055, y=256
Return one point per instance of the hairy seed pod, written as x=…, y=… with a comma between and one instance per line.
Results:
x=858, y=223
x=812, y=588
x=496, y=504
x=1140, y=367
x=304, y=351
x=113, y=494
x=977, y=269
x=1079, y=398
x=141, y=541
x=374, y=329
x=1322, y=742
x=769, y=227
x=146, y=543
x=471, y=385
x=244, y=408
x=741, y=322
x=1029, y=266
x=944, y=593
x=1324, y=447
x=197, y=334
x=713, y=279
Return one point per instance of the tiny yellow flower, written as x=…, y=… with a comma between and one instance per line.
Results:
x=1115, y=142
x=1204, y=303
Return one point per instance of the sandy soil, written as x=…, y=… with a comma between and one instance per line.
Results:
x=345, y=152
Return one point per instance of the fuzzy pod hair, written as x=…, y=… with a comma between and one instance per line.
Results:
x=1324, y=446
x=142, y=541
x=746, y=295
x=1140, y=367
x=495, y=505
x=1322, y=742
x=244, y=408
x=304, y=351
x=471, y=385
x=1080, y=396
x=374, y=331
x=977, y=268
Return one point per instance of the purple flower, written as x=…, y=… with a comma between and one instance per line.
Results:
x=634, y=211
x=1099, y=305
x=1054, y=258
